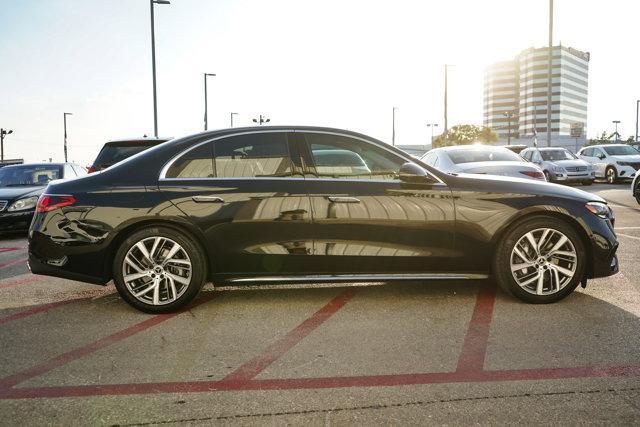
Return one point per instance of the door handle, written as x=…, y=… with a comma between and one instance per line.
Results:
x=340, y=199
x=207, y=199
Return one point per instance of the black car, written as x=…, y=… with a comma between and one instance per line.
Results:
x=20, y=187
x=303, y=204
x=116, y=151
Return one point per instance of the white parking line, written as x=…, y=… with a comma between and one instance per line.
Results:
x=627, y=228
x=631, y=237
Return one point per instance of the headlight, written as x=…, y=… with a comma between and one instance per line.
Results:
x=24, y=204
x=600, y=209
x=623, y=163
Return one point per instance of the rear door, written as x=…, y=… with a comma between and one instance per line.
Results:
x=366, y=221
x=246, y=193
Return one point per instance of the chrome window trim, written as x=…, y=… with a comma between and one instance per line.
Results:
x=168, y=165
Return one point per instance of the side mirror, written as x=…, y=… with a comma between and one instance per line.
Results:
x=412, y=173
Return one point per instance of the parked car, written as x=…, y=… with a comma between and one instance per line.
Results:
x=635, y=187
x=560, y=165
x=517, y=148
x=252, y=206
x=115, y=151
x=612, y=161
x=482, y=159
x=20, y=187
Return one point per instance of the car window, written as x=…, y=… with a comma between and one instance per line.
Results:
x=620, y=150
x=429, y=158
x=29, y=175
x=597, y=152
x=474, y=154
x=526, y=155
x=196, y=163
x=253, y=155
x=112, y=154
x=69, y=172
x=555, y=155
x=80, y=171
x=588, y=152
x=337, y=156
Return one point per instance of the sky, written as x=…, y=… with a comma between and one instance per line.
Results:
x=343, y=63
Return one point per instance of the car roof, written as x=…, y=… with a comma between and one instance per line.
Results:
x=467, y=146
x=137, y=140
x=606, y=145
x=551, y=148
x=36, y=164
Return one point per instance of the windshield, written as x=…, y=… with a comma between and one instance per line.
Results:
x=483, y=154
x=112, y=154
x=554, y=155
x=29, y=175
x=620, y=150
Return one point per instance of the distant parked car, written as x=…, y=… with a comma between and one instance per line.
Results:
x=115, y=151
x=482, y=159
x=612, y=161
x=560, y=165
x=22, y=185
x=516, y=148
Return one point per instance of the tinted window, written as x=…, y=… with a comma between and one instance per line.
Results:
x=482, y=154
x=197, y=163
x=553, y=155
x=620, y=150
x=253, y=155
x=112, y=154
x=29, y=175
x=587, y=152
x=338, y=156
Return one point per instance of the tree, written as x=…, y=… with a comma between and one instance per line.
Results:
x=604, y=138
x=466, y=134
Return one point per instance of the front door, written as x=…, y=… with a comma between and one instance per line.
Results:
x=246, y=193
x=365, y=220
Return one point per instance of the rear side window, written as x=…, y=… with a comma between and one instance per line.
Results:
x=196, y=163
x=112, y=154
x=253, y=155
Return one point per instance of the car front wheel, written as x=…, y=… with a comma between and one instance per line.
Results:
x=611, y=174
x=158, y=270
x=541, y=260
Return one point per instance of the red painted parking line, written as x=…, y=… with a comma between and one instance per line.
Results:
x=272, y=353
x=79, y=352
x=476, y=339
x=14, y=262
x=25, y=281
x=10, y=249
x=322, y=382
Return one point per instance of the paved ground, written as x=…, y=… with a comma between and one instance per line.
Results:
x=445, y=353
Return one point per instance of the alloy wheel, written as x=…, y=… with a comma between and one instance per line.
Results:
x=543, y=261
x=611, y=176
x=156, y=270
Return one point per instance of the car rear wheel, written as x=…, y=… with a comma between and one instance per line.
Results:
x=611, y=174
x=158, y=270
x=541, y=260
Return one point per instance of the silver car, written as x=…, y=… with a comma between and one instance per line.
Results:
x=481, y=159
x=560, y=165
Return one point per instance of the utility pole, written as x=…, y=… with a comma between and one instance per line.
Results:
x=64, y=115
x=393, y=125
x=616, y=122
x=153, y=64
x=509, y=115
x=3, y=133
x=231, y=115
x=432, y=126
x=206, y=119
x=549, y=67
x=446, y=124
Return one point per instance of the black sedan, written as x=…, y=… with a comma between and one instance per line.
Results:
x=20, y=187
x=303, y=204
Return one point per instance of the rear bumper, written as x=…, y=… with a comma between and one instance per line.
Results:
x=38, y=267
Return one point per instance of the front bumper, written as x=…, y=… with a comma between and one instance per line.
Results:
x=15, y=221
x=603, y=248
x=626, y=172
x=573, y=176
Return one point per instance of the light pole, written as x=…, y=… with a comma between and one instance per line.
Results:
x=231, y=117
x=206, y=118
x=445, y=134
x=637, y=113
x=393, y=126
x=549, y=66
x=509, y=115
x=153, y=64
x=262, y=120
x=3, y=133
x=64, y=116
x=432, y=126
x=615, y=122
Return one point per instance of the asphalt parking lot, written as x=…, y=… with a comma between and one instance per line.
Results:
x=455, y=353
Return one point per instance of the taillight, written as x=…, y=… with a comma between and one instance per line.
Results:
x=533, y=174
x=91, y=169
x=49, y=202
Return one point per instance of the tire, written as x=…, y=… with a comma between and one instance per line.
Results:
x=547, y=176
x=530, y=293
x=588, y=182
x=611, y=175
x=179, y=278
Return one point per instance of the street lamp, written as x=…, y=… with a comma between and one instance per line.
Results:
x=262, y=120
x=509, y=115
x=206, y=119
x=3, y=133
x=615, y=122
x=231, y=116
x=432, y=126
x=393, y=125
x=64, y=116
x=153, y=64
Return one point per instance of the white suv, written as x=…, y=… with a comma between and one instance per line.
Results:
x=612, y=161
